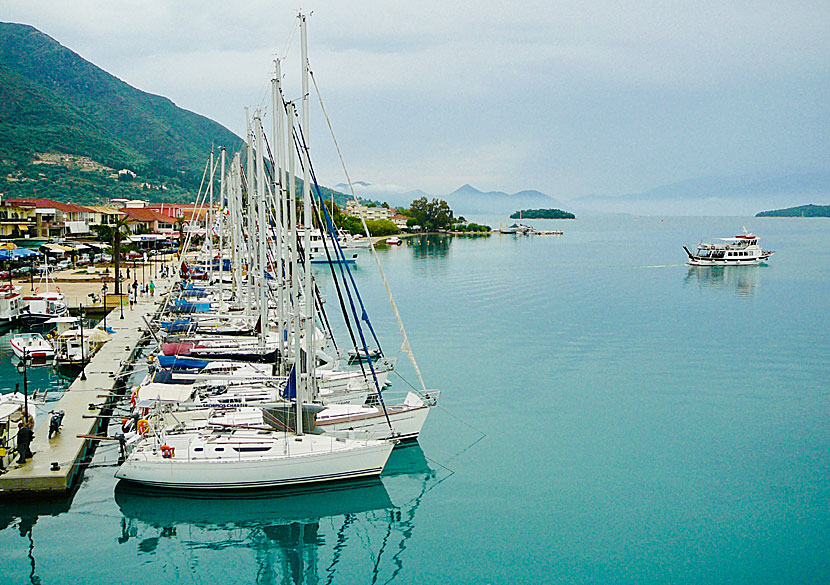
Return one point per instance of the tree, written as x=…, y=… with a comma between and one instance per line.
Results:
x=431, y=215
x=180, y=229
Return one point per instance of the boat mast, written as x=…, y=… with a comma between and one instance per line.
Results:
x=222, y=194
x=280, y=220
x=249, y=192
x=295, y=282
x=262, y=231
x=307, y=220
x=209, y=217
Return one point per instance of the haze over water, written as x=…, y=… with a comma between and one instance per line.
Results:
x=646, y=422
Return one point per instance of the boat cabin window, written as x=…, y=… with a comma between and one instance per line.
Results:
x=251, y=449
x=219, y=449
x=198, y=448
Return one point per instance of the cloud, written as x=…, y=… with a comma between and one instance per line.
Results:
x=560, y=96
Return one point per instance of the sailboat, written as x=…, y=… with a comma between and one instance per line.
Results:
x=240, y=457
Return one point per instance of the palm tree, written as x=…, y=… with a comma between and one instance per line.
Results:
x=119, y=227
x=180, y=228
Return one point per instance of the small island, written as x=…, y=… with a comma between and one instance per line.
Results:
x=800, y=211
x=542, y=214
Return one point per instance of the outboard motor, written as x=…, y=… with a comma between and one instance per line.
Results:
x=55, y=422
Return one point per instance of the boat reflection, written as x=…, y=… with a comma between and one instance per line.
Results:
x=744, y=279
x=429, y=245
x=301, y=536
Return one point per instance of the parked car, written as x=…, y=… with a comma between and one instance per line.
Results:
x=135, y=255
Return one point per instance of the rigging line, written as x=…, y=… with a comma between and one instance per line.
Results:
x=294, y=28
x=462, y=421
x=339, y=249
x=351, y=301
x=318, y=297
x=465, y=449
x=405, y=345
x=186, y=244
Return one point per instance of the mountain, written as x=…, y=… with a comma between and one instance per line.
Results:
x=55, y=102
x=469, y=200
x=464, y=200
x=727, y=195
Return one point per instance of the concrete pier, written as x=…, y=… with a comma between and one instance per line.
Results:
x=39, y=476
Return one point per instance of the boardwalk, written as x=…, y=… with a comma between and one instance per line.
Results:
x=39, y=476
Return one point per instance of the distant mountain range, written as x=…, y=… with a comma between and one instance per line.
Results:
x=464, y=200
x=730, y=195
x=53, y=101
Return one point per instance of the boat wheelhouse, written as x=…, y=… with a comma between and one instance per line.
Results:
x=10, y=303
x=743, y=249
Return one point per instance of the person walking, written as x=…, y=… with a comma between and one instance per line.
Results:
x=152, y=286
x=132, y=299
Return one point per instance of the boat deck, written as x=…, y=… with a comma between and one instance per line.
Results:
x=37, y=477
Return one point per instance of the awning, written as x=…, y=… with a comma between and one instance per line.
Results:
x=57, y=248
x=23, y=226
x=23, y=253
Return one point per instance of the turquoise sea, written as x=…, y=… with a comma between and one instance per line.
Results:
x=608, y=415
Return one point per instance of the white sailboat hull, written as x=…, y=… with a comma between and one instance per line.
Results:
x=295, y=461
x=406, y=420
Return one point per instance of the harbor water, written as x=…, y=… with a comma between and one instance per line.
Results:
x=608, y=414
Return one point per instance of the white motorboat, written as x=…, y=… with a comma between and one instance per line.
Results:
x=11, y=303
x=32, y=345
x=11, y=412
x=246, y=458
x=394, y=241
x=41, y=306
x=741, y=250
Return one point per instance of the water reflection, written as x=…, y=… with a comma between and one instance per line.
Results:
x=27, y=514
x=429, y=245
x=302, y=536
x=744, y=279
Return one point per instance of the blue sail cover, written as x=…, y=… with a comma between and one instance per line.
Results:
x=180, y=306
x=290, y=391
x=177, y=325
x=181, y=363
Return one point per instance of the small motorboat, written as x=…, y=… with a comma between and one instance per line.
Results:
x=32, y=345
x=394, y=241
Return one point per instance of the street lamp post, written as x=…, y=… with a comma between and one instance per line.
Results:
x=22, y=367
x=104, y=298
x=83, y=360
x=120, y=293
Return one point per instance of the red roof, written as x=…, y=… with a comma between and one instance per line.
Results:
x=41, y=203
x=145, y=215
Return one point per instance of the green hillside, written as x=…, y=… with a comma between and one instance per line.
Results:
x=54, y=101
x=800, y=211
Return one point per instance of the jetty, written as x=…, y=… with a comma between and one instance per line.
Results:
x=58, y=462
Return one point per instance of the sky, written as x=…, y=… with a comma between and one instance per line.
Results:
x=595, y=97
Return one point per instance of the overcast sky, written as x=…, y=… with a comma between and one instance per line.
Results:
x=570, y=98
